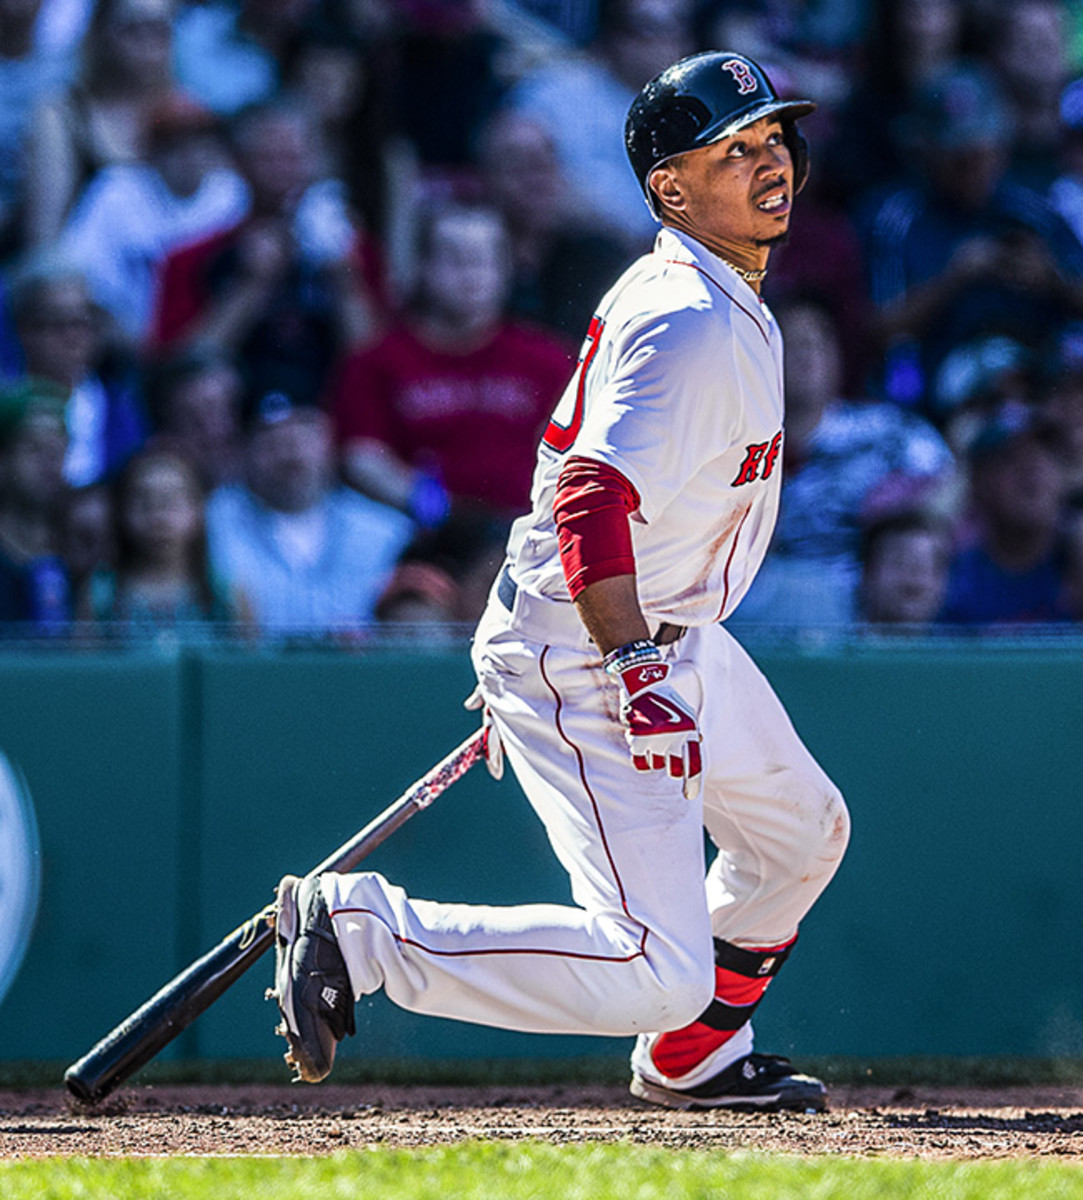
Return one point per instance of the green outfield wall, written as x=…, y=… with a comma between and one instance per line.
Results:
x=174, y=787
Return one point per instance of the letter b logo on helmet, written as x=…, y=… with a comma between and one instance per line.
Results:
x=703, y=99
x=746, y=81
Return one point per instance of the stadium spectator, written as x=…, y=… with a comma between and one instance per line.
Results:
x=86, y=540
x=160, y=582
x=195, y=401
x=965, y=251
x=452, y=401
x=905, y=558
x=292, y=286
x=229, y=55
x=59, y=334
x=131, y=215
x=1066, y=191
x=28, y=73
x=1072, y=592
x=444, y=576
x=582, y=100
x=1009, y=569
x=344, y=79
x=103, y=117
x=1061, y=403
x=308, y=556
x=1028, y=50
x=975, y=381
x=34, y=588
x=446, y=48
x=907, y=43
x=561, y=264
x=841, y=458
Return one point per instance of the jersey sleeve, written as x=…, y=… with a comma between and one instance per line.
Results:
x=664, y=406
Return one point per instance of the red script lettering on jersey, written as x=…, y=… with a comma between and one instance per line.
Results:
x=561, y=437
x=759, y=455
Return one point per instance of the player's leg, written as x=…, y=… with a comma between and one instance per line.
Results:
x=781, y=828
x=632, y=953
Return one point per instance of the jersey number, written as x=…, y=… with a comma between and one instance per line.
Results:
x=561, y=436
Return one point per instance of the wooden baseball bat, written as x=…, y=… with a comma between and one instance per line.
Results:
x=138, y=1038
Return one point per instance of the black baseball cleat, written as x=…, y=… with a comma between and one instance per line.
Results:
x=312, y=986
x=755, y=1083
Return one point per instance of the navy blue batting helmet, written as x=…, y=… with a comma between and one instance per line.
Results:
x=703, y=99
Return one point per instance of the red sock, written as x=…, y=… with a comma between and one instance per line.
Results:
x=737, y=992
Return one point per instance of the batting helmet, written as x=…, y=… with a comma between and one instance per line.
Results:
x=703, y=99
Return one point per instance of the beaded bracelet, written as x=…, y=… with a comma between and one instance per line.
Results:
x=631, y=654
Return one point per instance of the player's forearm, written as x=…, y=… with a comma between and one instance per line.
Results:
x=610, y=611
x=591, y=509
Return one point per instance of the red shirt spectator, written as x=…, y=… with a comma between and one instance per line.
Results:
x=449, y=406
x=470, y=417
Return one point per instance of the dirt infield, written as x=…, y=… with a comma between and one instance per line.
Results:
x=906, y=1123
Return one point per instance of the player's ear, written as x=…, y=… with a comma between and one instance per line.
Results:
x=667, y=187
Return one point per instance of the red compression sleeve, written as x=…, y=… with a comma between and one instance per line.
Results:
x=591, y=508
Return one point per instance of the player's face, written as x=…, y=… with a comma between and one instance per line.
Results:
x=736, y=192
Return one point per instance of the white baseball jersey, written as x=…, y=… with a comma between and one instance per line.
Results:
x=679, y=388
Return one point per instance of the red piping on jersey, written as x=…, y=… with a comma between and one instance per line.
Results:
x=733, y=299
x=405, y=941
x=586, y=788
x=638, y=953
x=729, y=559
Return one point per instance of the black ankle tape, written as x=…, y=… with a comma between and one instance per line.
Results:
x=753, y=964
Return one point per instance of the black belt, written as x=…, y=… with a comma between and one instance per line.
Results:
x=506, y=589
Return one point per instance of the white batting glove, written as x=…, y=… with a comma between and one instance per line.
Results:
x=659, y=726
x=494, y=747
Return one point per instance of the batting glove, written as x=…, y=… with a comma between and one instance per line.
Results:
x=659, y=726
x=493, y=746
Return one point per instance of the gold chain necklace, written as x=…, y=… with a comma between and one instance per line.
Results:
x=747, y=276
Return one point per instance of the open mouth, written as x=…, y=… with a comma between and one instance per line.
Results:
x=774, y=201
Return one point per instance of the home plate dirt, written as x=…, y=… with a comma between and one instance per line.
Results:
x=299, y=1119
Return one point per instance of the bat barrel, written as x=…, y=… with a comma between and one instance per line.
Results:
x=134, y=1042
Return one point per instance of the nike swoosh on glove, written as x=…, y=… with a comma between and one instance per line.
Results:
x=659, y=726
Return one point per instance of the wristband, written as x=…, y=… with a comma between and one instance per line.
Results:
x=429, y=504
x=631, y=654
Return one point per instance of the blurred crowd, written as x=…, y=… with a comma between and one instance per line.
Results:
x=288, y=289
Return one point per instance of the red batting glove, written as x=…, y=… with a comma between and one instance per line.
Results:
x=659, y=726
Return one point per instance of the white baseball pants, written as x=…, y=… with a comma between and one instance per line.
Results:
x=634, y=953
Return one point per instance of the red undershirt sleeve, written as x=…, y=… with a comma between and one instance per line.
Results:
x=591, y=508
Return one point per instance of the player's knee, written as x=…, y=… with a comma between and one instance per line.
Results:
x=822, y=836
x=676, y=996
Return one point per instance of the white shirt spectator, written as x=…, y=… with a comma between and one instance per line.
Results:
x=312, y=572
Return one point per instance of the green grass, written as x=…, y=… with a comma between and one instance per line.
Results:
x=532, y=1171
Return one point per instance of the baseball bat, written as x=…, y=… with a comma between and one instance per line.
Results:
x=138, y=1038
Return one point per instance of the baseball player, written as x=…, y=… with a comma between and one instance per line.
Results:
x=630, y=715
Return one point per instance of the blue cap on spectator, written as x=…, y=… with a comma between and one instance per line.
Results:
x=273, y=407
